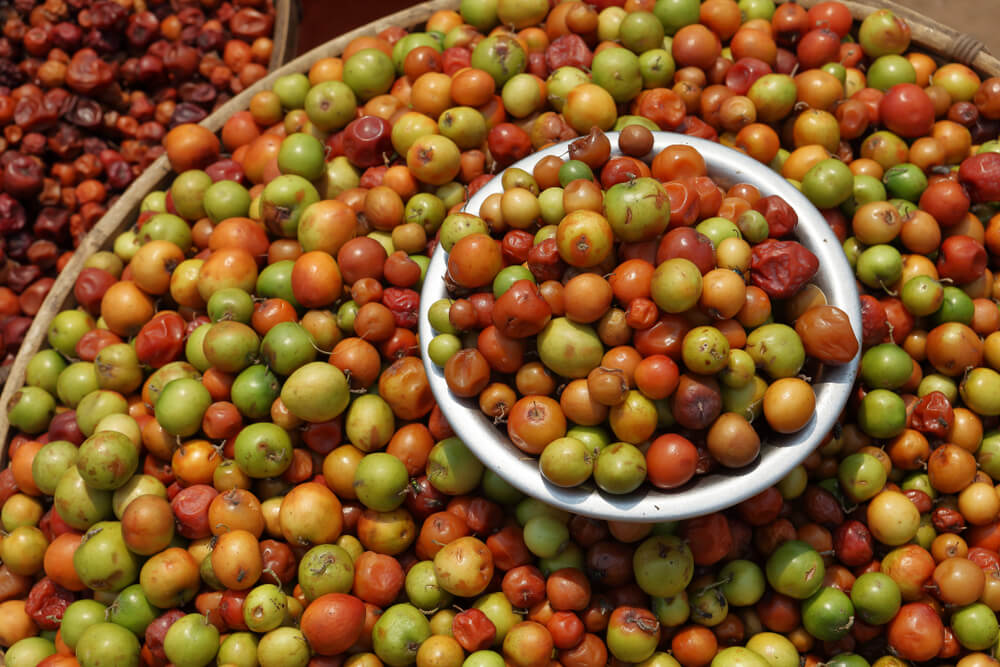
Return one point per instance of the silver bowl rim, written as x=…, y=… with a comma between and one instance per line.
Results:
x=706, y=493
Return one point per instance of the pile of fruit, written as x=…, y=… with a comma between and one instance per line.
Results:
x=229, y=451
x=680, y=294
x=87, y=92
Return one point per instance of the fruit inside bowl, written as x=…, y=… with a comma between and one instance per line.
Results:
x=641, y=326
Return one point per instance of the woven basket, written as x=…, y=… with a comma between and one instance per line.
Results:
x=284, y=46
x=286, y=32
x=930, y=37
x=937, y=39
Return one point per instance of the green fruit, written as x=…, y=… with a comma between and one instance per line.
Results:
x=254, y=391
x=181, y=407
x=423, y=589
x=569, y=348
x=44, y=369
x=102, y=560
x=620, y=468
x=777, y=349
x=316, y=392
x=398, y=633
x=743, y=582
x=861, y=477
x=380, y=481
x=31, y=409
x=369, y=72
x=882, y=414
x=107, y=460
x=886, y=366
x=301, y=154
x=828, y=183
x=192, y=641
x=286, y=347
x=675, y=14
x=981, y=391
x=676, y=285
x=617, y=71
x=107, y=645
x=500, y=56
x=663, y=566
x=226, y=199
x=876, y=598
x=776, y=649
x=736, y=656
x=975, y=626
x=291, y=89
x=637, y=210
x=188, y=193
x=641, y=31
x=28, y=652
x=263, y=450
x=888, y=70
x=330, y=105
x=452, y=468
x=283, y=201
x=795, y=569
x=828, y=615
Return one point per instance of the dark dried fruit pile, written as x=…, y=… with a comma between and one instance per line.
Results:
x=87, y=92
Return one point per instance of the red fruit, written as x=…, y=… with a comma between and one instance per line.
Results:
x=980, y=174
x=874, y=322
x=962, y=259
x=708, y=537
x=332, y=623
x=508, y=143
x=946, y=201
x=367, y=141
x=473, y=630
x=907, y=110
x=916, y=633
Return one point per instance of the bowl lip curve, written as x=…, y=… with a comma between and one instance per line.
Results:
x=706, y=493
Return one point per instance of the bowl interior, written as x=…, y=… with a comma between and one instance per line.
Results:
x=706, y=493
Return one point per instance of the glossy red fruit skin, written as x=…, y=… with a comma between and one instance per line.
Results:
x=980, y=174
x=508, y=143
x=90, y=287
x=916, y=633
x=852, y=543
x=344, y=612
x=226, y=170
x=367, y=141
x=781, y=217
x=744, y=73
x=874, y=322
x=709, y=538
x=689, y=244
x=455, y=58
x=817, y=47
x=521, y=311
x=907, y=110
x=962, y=259
x=947, y=201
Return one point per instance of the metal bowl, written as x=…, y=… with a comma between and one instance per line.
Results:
x=706, y=493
